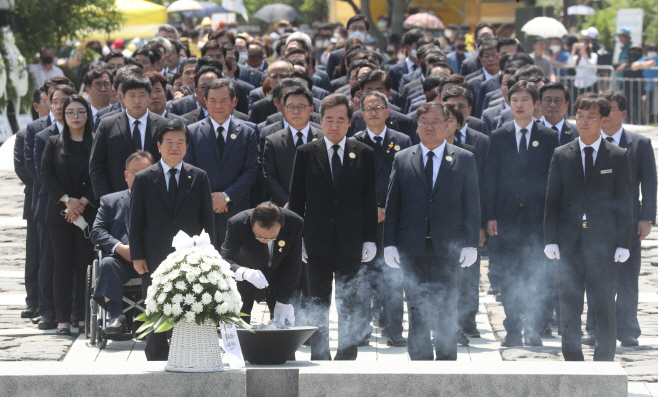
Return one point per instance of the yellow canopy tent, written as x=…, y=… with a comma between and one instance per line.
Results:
x=141, y=19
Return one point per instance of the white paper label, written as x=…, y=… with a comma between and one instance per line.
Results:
x=233, y=355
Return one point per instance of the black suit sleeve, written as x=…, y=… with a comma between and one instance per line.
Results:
x=392, y=211
x=277, y=190
x=553, y=197
x=297, y=197
x=491, y=174
x=19, y=160
x=98, y=162
x=48, y=175
x=28, y=154
x=137, y=220
x=471, y=205
x=207, y=215
x=624, y=202
x=230, y=249
x=648, y=183
x=370, y=197
x=291, y=269
x=100, y=232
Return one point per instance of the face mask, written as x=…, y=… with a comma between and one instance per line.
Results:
x=322, y=44
x=461, y=47
x=447, y=33
x=358, y=35
x=401, y=56
x=652, y=54
x=281, y=30
x=47, y=60
x=243, y=58
x=181, y=59
x=337, y=36
x=370, y=48
x=413, y=53
x=555, y=48
x=381, y=24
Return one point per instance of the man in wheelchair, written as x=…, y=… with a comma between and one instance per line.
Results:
x=110, y=231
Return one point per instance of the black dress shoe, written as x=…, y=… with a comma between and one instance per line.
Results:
x=64, y=331
x=364, y=342
x=589, y=340
x=48, y=321
x=532, y=340
x=511, y=341
x=396, y=341
x=116, y=326
x=30, y=312
x=74, y=319
x=629, y=341
x=462, y=339
x=471, y=333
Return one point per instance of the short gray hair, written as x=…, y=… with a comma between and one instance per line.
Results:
x=376, y=94
x=167, y=28
x=167, y=45
x=424, y=108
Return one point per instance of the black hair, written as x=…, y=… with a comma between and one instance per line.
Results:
x=481, y=26
x=135, y=82
x=554, y=86
x=185, y=62
x=616, y=96
x=219, y=83
x=412, y=37
x=208, y=61
x=505, y=41
x=457, y=91
x=524, y=85
x=267, y=214
x=96, y=73
x=488, y=44
x=432, y=81
x=36, y=95
x=58, y=80
x=124, y=72
x=134, y=62
x=288, y=82
x=147, y=53
x=334, y=100
x=588, y=100
x=453, y=79
x=138, y=155
x=356, y=18
x=302, y=75
x=297, y=90
x=206, y=69
x=173, y=125
x=377, y=75
x=113, y=54
x=87, y=137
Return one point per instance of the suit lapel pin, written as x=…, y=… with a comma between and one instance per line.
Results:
x=390, y=146
x=314, y=139
x=352, y=155
x=535, y=143
x=189, y=177
x=397, y=148
x=568, y=132
x=448, y=158
x=233, y=136
x=281, y=245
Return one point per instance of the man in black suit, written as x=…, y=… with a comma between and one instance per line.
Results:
x=643, y=178
x=280, y=147
x=466, y=134
x=204, y=76
x=491, y=115
x=110, y=231
x=264, y=247
x=588, y=224
x=516, y=172
x=472, y=64
x=118, y=106
x=276, y=71
x=409, y=41
x=159, y=97
x=431, y=226
x=395, y=121
x=488, y=54
x=554, y=99
x=166, y=198
x=383, y=282
x=98, y=85
x=271, y=104
x=338, y=200
x=227, y=150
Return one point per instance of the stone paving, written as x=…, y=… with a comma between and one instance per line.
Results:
x=20, y=340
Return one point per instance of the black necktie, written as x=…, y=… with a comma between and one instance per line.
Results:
x=414, y=68
x=429, y=169
x=266, y=254
x=523, y=147
x=336, y=165
x=610, y=139
x=137, y=137
x=458, y=136
x=300, y=139
x=589, y=162
x=220, y=140
x=173, y=186
x=378, y=140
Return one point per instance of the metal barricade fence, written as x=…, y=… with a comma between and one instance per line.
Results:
x=641, y=93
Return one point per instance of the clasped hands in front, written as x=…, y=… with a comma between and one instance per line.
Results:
x=219, y=203
x=75, y=208
x=552, y=251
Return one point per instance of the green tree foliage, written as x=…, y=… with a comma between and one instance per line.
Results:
x=39, y=23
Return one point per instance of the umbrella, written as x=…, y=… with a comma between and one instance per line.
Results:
x=276, y=12
x=544, y=27
x=580, y=10
x=209, y=8
x=423, y=21
x=184, y=5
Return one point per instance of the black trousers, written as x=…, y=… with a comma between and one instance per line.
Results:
x=114, y=272
x=627, y=296
x=321, y=271
x=250, y=295
x=593, y=265
x=469, y=296
x=494, y=272
x=73, y=253
x=46, y=268
x=431, y=285
x=32, y=265
x=157, y=345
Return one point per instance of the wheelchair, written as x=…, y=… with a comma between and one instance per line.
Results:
x=97, y=318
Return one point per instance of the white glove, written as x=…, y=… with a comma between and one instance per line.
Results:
x=304, y=256
x=552, y=251
x=622, y=255
x=283, y=313
x=368, y=252
x=255, y=277
x=468, y=256
x=392, y=257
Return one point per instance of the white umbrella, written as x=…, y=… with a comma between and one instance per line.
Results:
x=544, y=27
x=580, y=9
x=184, y=5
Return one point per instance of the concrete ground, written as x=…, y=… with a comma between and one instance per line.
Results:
x=20, y=340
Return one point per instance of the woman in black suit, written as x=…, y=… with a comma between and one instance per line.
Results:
x=65, y=173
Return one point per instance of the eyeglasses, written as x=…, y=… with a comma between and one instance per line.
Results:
x=107, y=85
x=266, y=239
x=556, y=101
x=57, y=104
x=586, y=120
x=434, y=124
x=299, y=109
x=487, y=56
x=370, y=110
x=79, y=113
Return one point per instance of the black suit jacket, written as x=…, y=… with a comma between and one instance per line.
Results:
x=606, y=200
x=276, y=127
x=643, y=175
x=348, y=211
x=490, y=116
x=195, y=116
x=509, y=183
x=31, y=131
x=21, y=172
x=170, y=116
x=478, y=125
x=250, y=75
x=240, y=115
x=278, y=157
x=338, y=83
x=105, y=111
x=154, y=220
x=450, y=209
x=183, y=105
x=333, y=62
x=254, y=96
x=40, y=141
x=261, y=109
x=241, y=249
x=242, y=92
x=56, y=178
x=470, y=65
x=568, y=133
x=397, y=71
x=112, y=221
x=112, y=146
x=319, y=93
x=395, y=121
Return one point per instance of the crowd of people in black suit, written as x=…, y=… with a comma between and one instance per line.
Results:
x=388, y=181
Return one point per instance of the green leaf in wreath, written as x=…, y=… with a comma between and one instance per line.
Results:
x=165, y=326
x=141, y=317
x=144, y=326
x=148, y=331
x=160, y=321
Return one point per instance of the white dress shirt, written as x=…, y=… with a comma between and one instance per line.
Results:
x=52, y=117
x=216, y=125
x=372, y=135
x=549, y=125
x=270, y=247
x=436, y=162
x=60, y=126
x=595, y=145
x=487, y=76
x=616, y=137
x=518, y=134
x=330, y=151
x=410, y=65
x=304, y=132
x=93, y=112
x=142, y=125
x=166, y=169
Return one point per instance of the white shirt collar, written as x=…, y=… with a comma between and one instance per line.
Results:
x=166, y=167
x=52, y=117
x=549, y=125
x=93, y=110
x=285, y=123
x=463, y=130
x=595, y=145
x=304, y=130
x=518, y=128
x=143, y=120
x=331, y=144
x=60, y=126
x=616, y=136
x=487, y=76
x=372, y=135
x=410, y=65
x=225, y=124
x=438, y=151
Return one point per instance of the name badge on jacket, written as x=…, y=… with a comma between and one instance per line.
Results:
x=606, y=171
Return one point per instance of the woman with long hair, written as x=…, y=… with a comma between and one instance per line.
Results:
x=585, y=61
x=71, y=204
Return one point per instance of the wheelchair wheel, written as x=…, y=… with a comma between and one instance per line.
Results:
x=93, y=312
x=102, y=343
x=88, y=294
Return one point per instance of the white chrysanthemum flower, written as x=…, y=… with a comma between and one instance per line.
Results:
x=205, y=266
x=223, y=308
x=167, y=287
x=206, y=298
x=189, y=299
x=218, y=310
x=174, y=274
x=176, y=310
x=190, y=277
x=161, y=298
x=152, y=307
x=203, y=280
x=189, y=316
x=198, y=288
x=177, y=299
x=222, y=284
x=212, y=278
x=218, y=297
x=181, y=286
x=166, y=309
x=197, y=307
